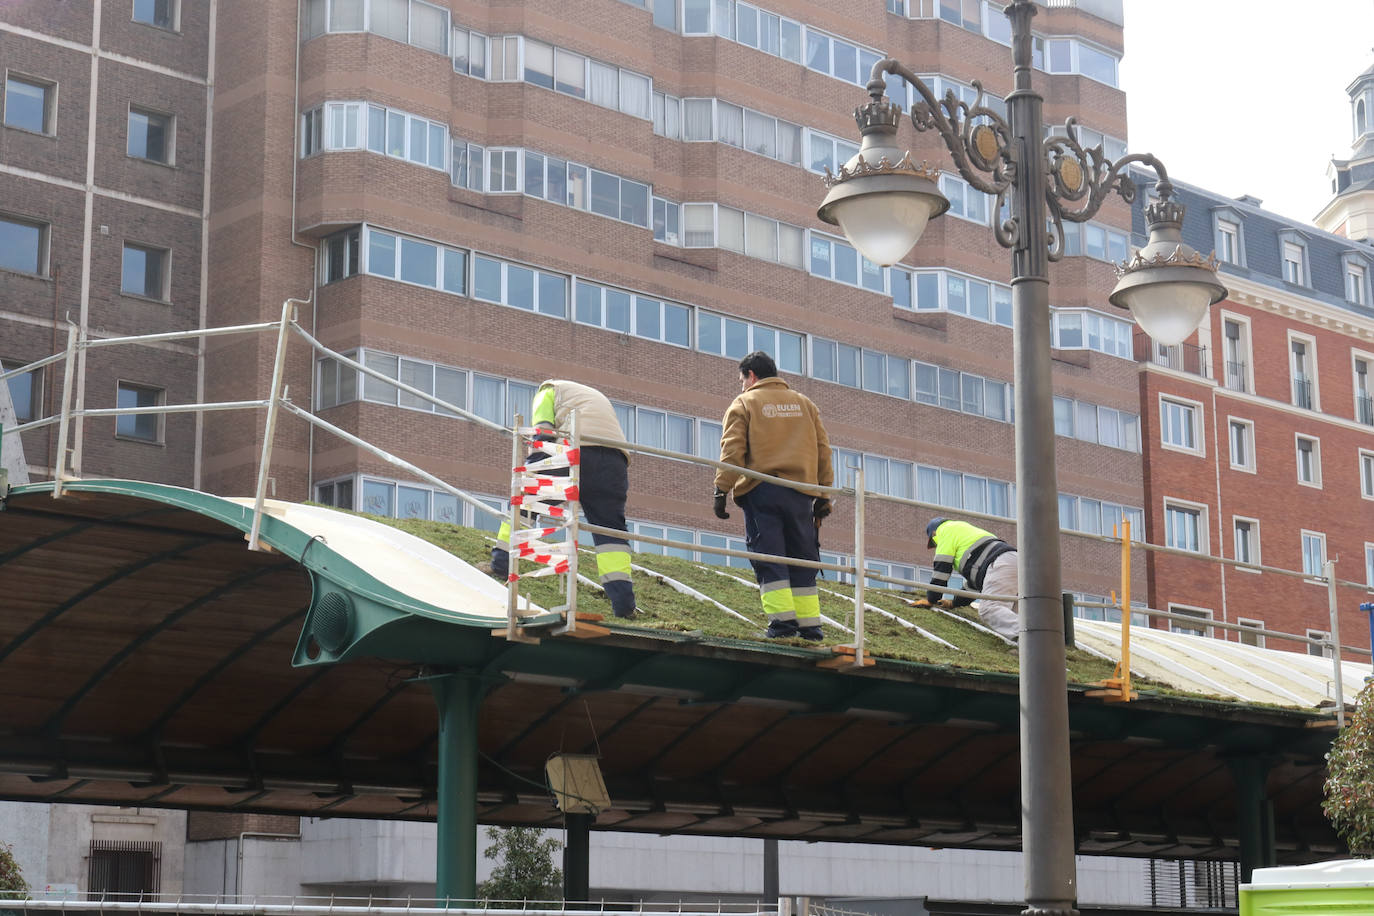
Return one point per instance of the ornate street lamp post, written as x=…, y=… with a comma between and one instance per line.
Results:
x=882, y=201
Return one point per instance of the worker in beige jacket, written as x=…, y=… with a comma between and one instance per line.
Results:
x=772, y=429
x=603, y=483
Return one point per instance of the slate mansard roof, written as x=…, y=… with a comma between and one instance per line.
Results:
x=1262, y=234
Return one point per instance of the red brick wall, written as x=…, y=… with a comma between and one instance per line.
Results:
x=1271, y=494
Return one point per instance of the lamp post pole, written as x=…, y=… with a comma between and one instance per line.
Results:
x=882, y=200
x=1047, y=838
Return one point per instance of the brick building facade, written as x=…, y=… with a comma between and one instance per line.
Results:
x=474, y=196
x=1259, y=435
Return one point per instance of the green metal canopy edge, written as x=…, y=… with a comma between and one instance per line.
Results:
x=347, y=604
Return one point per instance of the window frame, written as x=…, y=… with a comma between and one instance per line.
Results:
x=1254, y=544
x=34, y=409
x=1365, y=457
x=165, y=296
x=1199, y=448
x=1310, y=343
x=1303, y=535
x=1367, y=404
x=169, y=141
x=1184, y=505
x=1293, y=242
x=1224, y=218
x=1250, y=623
x=174, y=16
x=1353, y=271
x=1245, y=350
x=1316, y=453
x=1318, y=651
x=159, y=437
x=1202, y=613
x=43, y=253
x=1251, y=465
x=49, y=87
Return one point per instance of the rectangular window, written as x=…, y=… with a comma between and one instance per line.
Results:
x=29, y=104
x=1364, y=397
x=23, y=246
x=1309, y=461
x=1369, y=565
x=1313, y=553
x=146, y=426
x=538, y=63
x=1294, y=258
x=1183, y=527
x=1236, y=341
x=1178, y=425
x=26, y=390
x=1253, y=634
x=160, y=13
x=1246, y=532
x=698, y=225
x=145, y=272
x=1178, y=626
x=429, y=27
x=151, y=136
x=1366, y=474
x=1356, y=285
x=1321, y=651
x=1242, y=434
x=125, y=867
x=1228, y=241
x=340, y=256
x=1300, y=360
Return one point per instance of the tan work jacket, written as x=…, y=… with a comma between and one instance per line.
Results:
x=595, y=414
x=775, y=430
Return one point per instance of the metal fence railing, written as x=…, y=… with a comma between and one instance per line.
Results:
x=71, y=416
x=304, y=905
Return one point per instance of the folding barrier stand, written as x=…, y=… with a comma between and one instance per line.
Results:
x=538, y=494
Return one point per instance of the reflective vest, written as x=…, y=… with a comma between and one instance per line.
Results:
x=967, y=548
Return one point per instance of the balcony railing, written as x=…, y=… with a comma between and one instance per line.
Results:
x=1364, y=409
x=1235, y=376
x=1302, y=392
x=1181, y=358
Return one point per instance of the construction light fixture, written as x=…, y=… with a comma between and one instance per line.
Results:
x=882, y=201
x=577, y=784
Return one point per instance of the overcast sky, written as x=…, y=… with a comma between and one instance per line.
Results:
x=1246, y=96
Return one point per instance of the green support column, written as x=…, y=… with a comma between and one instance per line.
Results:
x=458, y=697
x=1254, y=817
x=577, y=857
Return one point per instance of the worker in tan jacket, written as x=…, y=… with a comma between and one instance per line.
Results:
x=772, y=429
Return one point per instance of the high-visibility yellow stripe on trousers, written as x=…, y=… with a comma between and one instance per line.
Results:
x=613, y=562
x=777, y=600
x=808, y=604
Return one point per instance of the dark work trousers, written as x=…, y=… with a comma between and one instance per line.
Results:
x=779, y=520
x=603, y=484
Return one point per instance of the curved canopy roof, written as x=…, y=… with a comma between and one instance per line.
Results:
x=146, y=658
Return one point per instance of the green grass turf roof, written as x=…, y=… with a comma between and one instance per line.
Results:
x=664, y=608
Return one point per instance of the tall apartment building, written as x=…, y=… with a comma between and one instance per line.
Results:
x=1259, y=437
x=104, y=200
x=473, y=197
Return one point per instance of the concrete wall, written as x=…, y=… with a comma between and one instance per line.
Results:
x=52, y=842
x=24, y=826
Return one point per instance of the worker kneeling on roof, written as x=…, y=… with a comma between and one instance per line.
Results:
x=987, y=563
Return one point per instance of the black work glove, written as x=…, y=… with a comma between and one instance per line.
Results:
x=820, y=509
x=719, y=504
